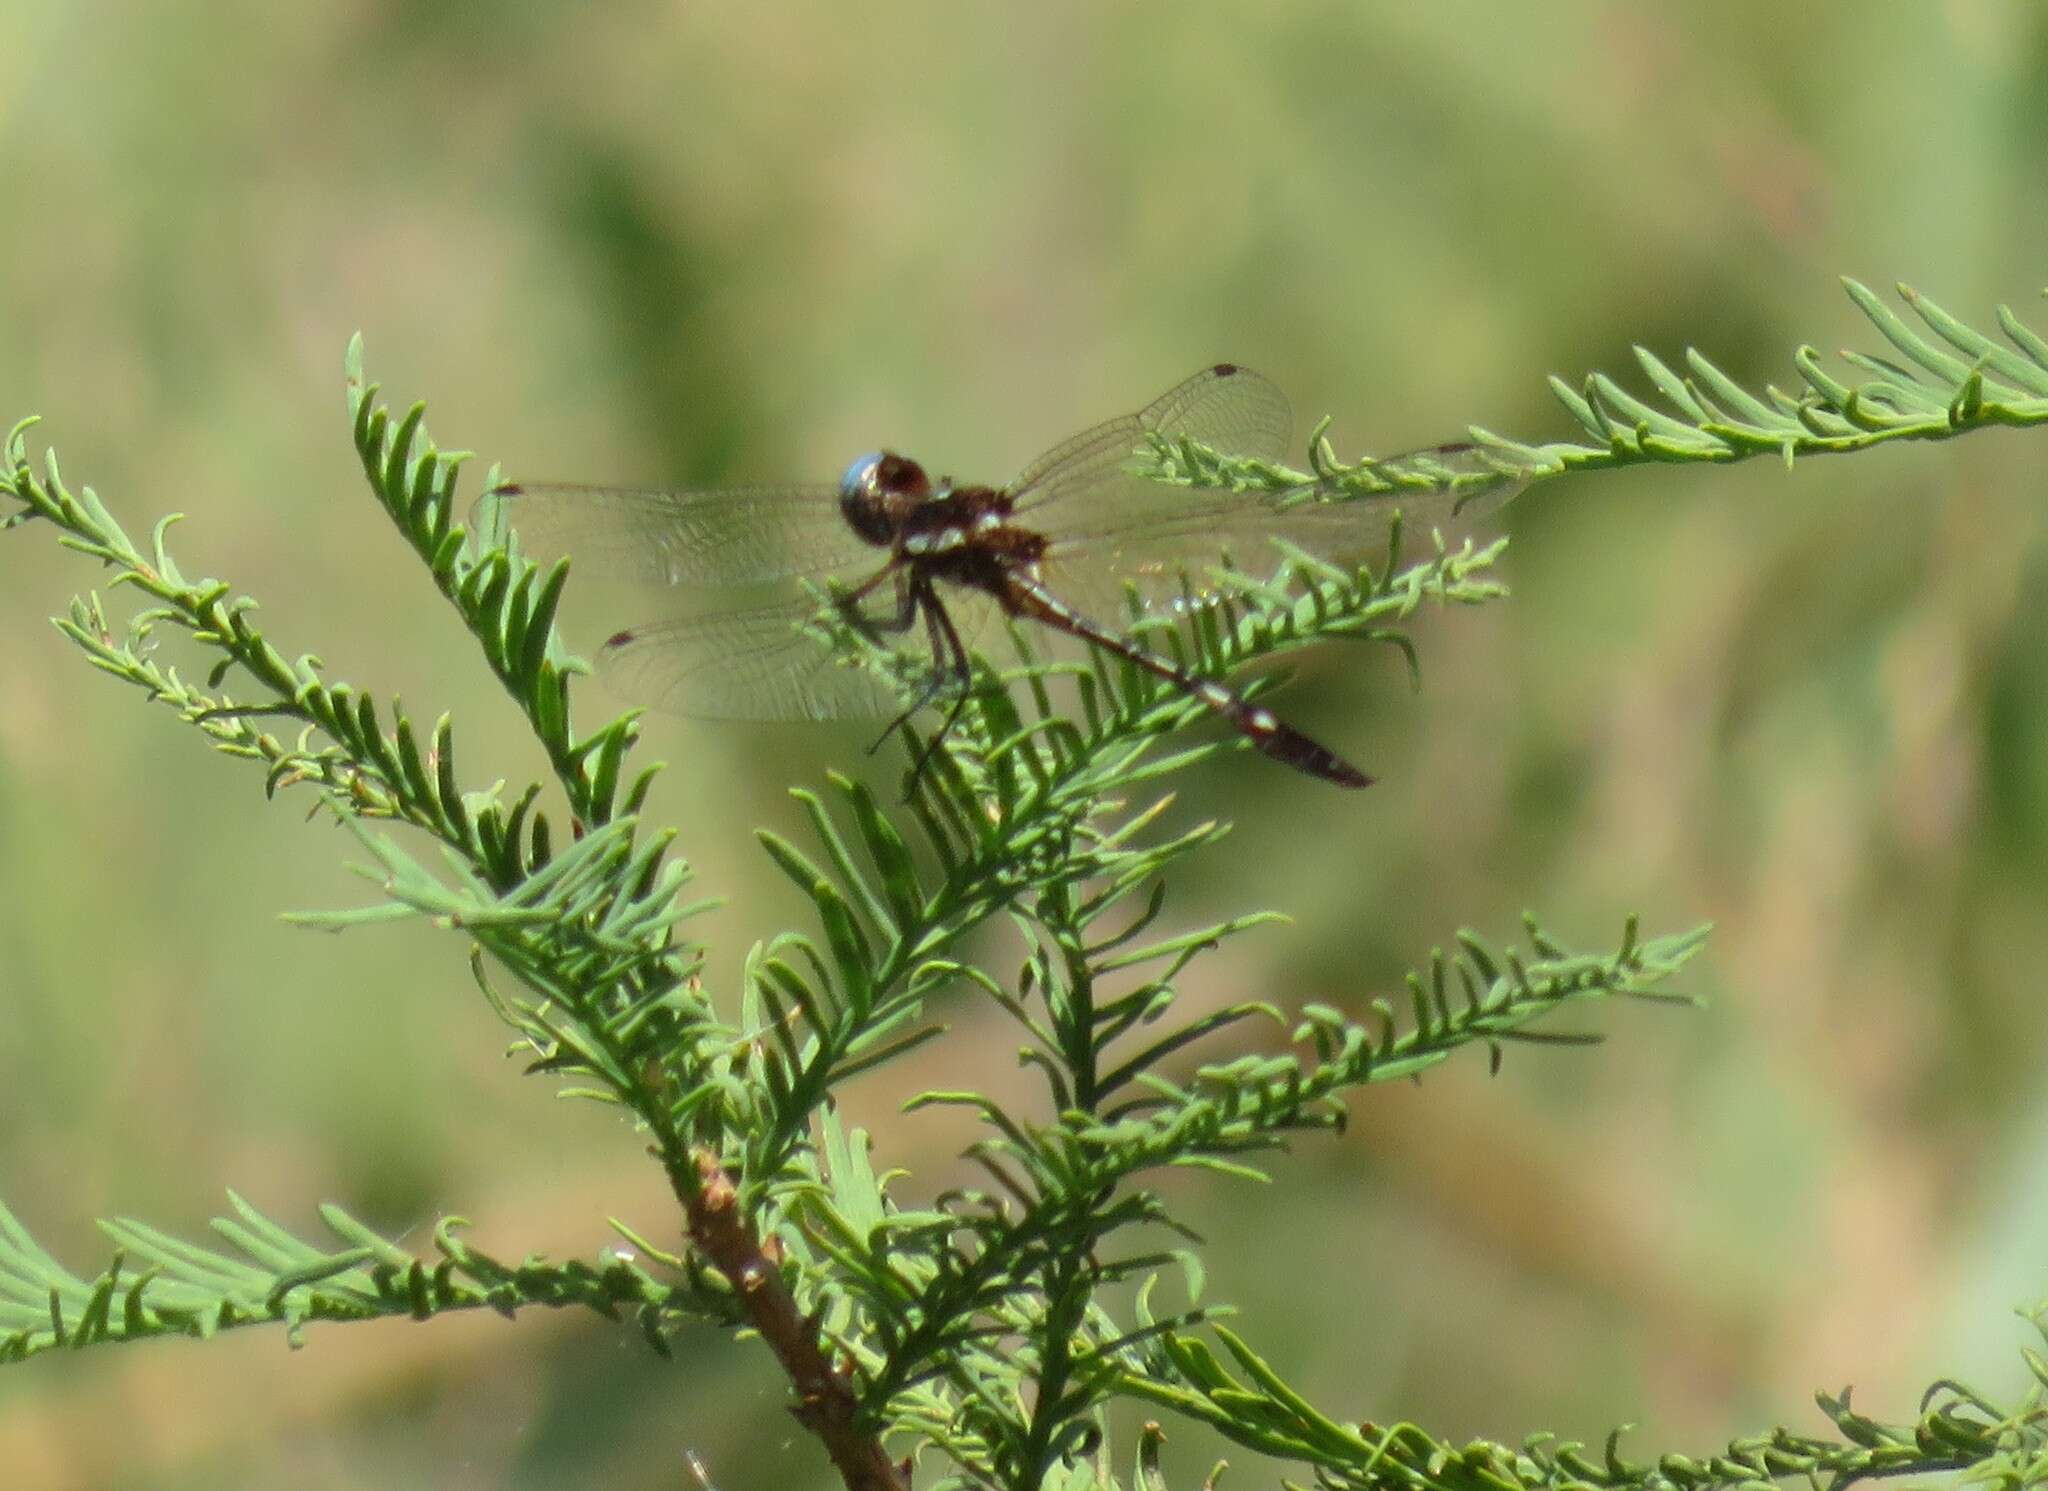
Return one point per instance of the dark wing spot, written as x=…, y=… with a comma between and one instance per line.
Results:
x=1226, y=369
x=505, y=489
x=620, y=639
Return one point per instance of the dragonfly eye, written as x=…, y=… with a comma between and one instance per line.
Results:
x=860, y=476
x=899, y=476
x=874, y=490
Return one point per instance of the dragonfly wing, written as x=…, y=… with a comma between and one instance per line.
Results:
x=1084, y=484
x=766, y=663
x=730, y=536
x=1105, y=525
x=1169, y=560
x=758, y=664
x=1448, y=488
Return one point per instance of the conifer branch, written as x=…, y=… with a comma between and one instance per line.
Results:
x=1954, y=380
x=1958, y=1430
x=159, y=1285
x=1945, y=378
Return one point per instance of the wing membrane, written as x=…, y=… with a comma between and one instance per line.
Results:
x=1110, y=529
x=757, y=664
x=1083, y=487
x=676, y=536
x=763, y=663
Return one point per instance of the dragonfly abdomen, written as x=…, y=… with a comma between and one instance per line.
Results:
x=1268, y=733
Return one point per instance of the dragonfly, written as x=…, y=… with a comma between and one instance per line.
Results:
x=1077, y=535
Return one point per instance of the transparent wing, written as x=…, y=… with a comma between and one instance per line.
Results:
x=1111, y=531
x=1106, y=526
x=729, y=536
x=1083, y=487
x=1463, y=487
x=756, y=664
x=765, y=663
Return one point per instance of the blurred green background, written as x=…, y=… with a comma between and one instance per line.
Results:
x=695, y=243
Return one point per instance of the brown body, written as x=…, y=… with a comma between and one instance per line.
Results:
x=967, y=536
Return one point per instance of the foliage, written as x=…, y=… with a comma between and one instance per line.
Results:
x=1955, y=379
x=272, y=1277
x=986, y=1323
x=1958, y=1429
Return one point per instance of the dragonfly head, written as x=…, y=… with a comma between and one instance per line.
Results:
x=878, y=491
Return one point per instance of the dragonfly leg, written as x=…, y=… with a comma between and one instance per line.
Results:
x=945, y=642
x=872, y=626
x=910, y=596
x=918, y=596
